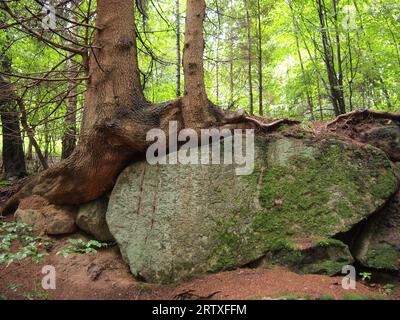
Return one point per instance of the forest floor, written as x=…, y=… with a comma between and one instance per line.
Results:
x=104, y=275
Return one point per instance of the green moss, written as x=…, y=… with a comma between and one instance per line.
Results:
x=384, y=256
x=328, y=267
x=384, y=186
x=321, y=190
x=329, y=243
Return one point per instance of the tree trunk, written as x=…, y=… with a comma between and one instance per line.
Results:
x=195, y=102
x=117, y=117
x=13, y=153
x=336, y=93
x=340, y=76
x=69, y=138
x=303, y=72
x=260, y=56
x=178, y=49
x=249, y=58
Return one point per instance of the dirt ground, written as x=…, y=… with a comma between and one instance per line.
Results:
x=104, y=275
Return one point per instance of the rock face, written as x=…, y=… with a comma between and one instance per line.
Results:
x=46, y=218
x=92, y=219
x=386, y=138
x=175, y=221
x=317, y=257
x=378, y=243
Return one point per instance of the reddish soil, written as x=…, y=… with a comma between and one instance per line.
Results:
x=104, y=275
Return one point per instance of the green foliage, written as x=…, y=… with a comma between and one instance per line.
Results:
x=17, y=243
x=82, y=247
x=35, y=295
x=383, y=256
x=363, y=297
x=327, y=297
x=389, y=288
x=290, y=49
x=329, y=243
x=365, y=276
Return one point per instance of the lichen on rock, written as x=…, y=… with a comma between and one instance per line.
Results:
x=176, y=221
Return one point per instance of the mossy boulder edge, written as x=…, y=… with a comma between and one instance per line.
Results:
x=172, y=222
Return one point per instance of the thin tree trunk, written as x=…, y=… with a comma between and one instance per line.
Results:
x=30, y=133
x=328, y=59
x=12, y=153
x=260, y=58
x=340, y=76
x=249, y=58
x=69, y=138
x=178, y=49
x=195, y=101
x=303, y=72
x=217, y=53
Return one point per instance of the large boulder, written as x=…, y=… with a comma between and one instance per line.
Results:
x=46, y=218
x=378, y=242
x=92, y=219
x=175, y=221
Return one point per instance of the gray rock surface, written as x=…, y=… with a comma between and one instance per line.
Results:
x=175, y=221
x=92, y=219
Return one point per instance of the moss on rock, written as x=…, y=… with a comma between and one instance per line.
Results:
x=173, y=222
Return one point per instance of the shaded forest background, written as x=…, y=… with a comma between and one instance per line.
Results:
x=304, y=59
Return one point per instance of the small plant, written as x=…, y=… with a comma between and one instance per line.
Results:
x=388, y=288
x=13, y=286
x=16, y=243
x=35, y=295
x=327, y=297
x=329, y=243
x=282, y=244
x=82, y=246
x=366, y=276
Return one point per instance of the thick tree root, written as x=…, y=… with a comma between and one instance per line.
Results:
x=105, y=150
x=380, y=129
x=360, y=115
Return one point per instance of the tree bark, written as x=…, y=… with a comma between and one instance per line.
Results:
x=13, y=153
x=69, y=138
x=303, y=72
x=336, y=91
x=260, y=57
x=195, y=102
x=178, y=49
x=249, y=58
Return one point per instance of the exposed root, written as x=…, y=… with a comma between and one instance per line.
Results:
x=360, y=115
x=107, y=148
x=377, y=128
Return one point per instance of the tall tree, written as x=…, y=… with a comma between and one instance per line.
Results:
x=303, y=72
x=249, y=57
x=13, y=153
x=260, y=59
x=336, y=89
x=195, y=102
x=178, y=49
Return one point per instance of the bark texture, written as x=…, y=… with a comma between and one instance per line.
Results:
x=13, y=153
x=195, y=102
